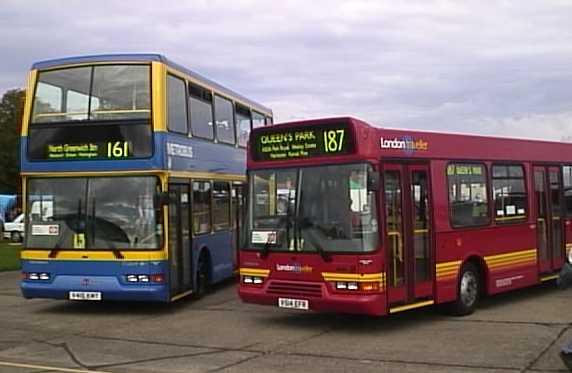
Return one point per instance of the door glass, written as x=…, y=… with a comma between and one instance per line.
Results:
x=174, y=238
x=556, y=203
x=185, y=249
x=394, y=227
x=540, y=196
x=420, y=224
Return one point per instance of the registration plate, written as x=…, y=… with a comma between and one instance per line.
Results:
x=85, y=295
x=297, y=304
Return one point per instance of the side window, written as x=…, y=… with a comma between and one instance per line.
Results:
x=567, y=176
x=468, y=202
x=268, y=121
x=221, y=206
x=257, y=120
x=224, y=121
x=201, y=207
x=201, y=106
x=242, y=124
x=509, y=193
x=177, y=105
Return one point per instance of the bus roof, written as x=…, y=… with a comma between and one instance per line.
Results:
x=144, y=57
x=372, y=142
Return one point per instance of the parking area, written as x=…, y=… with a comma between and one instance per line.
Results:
x=517, y=332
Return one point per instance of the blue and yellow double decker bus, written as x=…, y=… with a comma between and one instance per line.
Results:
x=133, y=178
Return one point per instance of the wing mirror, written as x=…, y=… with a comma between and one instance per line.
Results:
x=372, y=180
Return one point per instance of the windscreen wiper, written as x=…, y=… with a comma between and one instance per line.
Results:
x=116, y=252
x=310, y=228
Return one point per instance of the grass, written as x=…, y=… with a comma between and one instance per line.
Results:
x=9, y=256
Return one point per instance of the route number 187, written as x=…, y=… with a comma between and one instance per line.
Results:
x=333, y=141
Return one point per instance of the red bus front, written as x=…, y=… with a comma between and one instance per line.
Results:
x=312, y=237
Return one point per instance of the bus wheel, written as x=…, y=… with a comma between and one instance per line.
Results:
x=203, y=280
x=16, y=236
x=468, y=290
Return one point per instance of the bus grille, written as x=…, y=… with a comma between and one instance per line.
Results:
x=295, y=289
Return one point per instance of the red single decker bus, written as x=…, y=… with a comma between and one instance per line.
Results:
x=347, y=217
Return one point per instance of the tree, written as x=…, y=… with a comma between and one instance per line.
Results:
x=11, y=113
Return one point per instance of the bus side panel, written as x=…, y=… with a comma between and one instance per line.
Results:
x=446, y=256
x=220, y=251
x=505, y=253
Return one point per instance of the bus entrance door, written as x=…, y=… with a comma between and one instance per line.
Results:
x=238, y=205
x=180, y=260
x=408, y=235
x=549, y=220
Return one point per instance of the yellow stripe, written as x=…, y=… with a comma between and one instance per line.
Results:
x=93, y=255
x=520, y=263
x=448, y=264
x=548, y=278
x=182, y=295
x=32, y=76
x=509, y=260
x=159, y=96
x=521, y=217
x=357, y=277
x=510, y=255
x=47, y=368
x=446, y=278
x=254, y=272
x=92, y=173
x=411, y=306
x=208, y=175
x=449, y=272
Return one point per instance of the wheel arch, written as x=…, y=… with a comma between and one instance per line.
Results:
x=479, y=262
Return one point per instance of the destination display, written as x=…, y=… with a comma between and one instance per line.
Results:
x=302, y=142
x=90, y=142
x=109, y=150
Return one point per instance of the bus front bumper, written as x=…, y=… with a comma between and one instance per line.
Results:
x=107, y=287
x=364, y=304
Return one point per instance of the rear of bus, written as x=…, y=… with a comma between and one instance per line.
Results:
x=92, y=182
x=312, y=237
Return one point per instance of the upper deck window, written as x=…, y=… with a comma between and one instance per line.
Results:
x=201, y=106
x=224, y=120
x=177, y=104
x=243, y=125
x=258, y=120
x=92, y=93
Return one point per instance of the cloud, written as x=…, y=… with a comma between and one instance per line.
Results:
x=479, y=67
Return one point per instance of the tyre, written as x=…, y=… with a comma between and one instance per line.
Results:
x=468, y=290
x=203, y=277
x=15, y=236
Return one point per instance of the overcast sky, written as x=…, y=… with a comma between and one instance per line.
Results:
x=496, y=67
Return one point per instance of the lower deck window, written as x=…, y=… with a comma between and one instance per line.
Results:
x=468, y=202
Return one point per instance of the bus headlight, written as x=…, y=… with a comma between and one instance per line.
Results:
x=252, y=280
x=361, y=286
x=36, y=276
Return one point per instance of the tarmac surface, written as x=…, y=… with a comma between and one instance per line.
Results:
x=522, y=331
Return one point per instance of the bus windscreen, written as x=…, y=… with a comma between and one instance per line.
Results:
x=91, y=112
